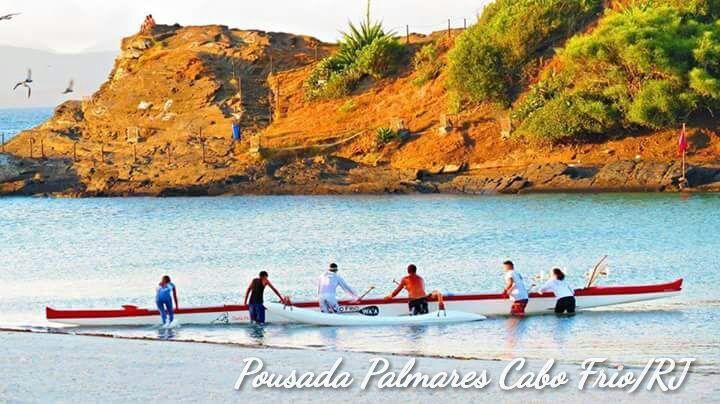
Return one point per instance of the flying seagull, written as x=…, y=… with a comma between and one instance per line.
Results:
x=70, y=86
x=25, y=83
x=8, y=16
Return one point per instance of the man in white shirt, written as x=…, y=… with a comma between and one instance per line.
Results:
x=327, y=285
x=515, y=289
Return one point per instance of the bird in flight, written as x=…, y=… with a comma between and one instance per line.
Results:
x=8, y=16
x=70, y=86
x=25, y=83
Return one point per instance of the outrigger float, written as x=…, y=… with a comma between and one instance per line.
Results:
x=490, y=304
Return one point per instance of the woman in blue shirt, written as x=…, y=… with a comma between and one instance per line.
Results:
x=164, y=301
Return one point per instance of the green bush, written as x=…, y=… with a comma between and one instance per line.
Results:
x=386, y=135
x=566, y=118
x=478, y=70
x=364, y=50
x=659, y=104
x=427, y=64
x=651, y=66
x=489, y=61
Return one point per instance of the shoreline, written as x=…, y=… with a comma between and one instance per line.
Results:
x=82, y=367
x=331, y=175
x=110, y=336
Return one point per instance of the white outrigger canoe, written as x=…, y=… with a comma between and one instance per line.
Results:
x=490, y=304
x=314, y=317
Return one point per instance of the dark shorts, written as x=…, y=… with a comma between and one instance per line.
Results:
x=257, y=313
x=565, y=304
x=418, y=306
x=518, y=307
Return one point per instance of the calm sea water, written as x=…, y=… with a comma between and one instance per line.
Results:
x=13, y=121
x=108, y=252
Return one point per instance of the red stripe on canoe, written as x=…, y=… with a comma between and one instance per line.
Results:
x=132, y=311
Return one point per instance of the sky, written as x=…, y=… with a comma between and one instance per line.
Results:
x=74, y=26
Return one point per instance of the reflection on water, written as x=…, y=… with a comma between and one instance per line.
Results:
x=109, y=252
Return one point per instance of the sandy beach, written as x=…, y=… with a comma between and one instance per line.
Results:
x=40, y=367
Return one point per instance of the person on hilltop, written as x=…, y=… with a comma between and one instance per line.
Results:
x=165, y=294
x=148, y=24
x=327, y=286
x=415, y=286
x=255, y=291
x=564, y=294
x=515, y=289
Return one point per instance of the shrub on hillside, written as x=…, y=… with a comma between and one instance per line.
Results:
x=427, y=64
x=386, y=135
x=568, y=117
x=651, y=66
x=488, y=60
x=364, y=50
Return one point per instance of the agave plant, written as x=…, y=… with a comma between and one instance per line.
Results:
x=358, y=37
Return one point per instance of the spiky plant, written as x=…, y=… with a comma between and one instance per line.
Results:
x=358, y=37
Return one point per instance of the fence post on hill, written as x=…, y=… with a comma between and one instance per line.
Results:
x=407, y=34
x=277, y=99
x=464, y=23
x=134, y=153
x=42, y=148
x=31, y=141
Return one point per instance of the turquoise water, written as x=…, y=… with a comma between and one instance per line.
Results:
x=108, y=252
x=13, y=121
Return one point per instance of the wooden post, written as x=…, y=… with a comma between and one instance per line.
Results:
x=42, y=148
x=31, y=141
x=449, y=36
x=407, y=34
x=75, y=150
x=464, y=23
x=203, y=152
x=277, y=98
x=683, y=180
x=102, y=153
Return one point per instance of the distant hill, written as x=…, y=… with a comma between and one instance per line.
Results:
x=51, y=73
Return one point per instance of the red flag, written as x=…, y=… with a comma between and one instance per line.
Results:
x=682, y=141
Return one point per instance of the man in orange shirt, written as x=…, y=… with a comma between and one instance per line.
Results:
x=415, y=286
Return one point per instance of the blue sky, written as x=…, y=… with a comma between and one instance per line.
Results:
x=71, y=26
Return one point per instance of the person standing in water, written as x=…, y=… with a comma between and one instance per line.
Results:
x=515, y=289
x=415, y=286
x=327, y=286
x=255, y=291
x=164, y=296
x=564, y=294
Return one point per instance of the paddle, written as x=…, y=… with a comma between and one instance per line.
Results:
x=370, y=289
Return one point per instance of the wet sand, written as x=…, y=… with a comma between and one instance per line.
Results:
x=39, y=367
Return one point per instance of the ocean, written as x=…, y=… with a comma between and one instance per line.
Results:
x=100, y=252
x=13, y=121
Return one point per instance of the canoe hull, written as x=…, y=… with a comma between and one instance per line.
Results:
x=314, y=317
x=484, y=304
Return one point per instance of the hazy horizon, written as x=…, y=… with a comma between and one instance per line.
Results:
x=76, y=26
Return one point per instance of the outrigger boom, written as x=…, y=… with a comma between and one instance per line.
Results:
x=491, y=304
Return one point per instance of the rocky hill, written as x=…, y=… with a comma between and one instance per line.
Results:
x=162, y=125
